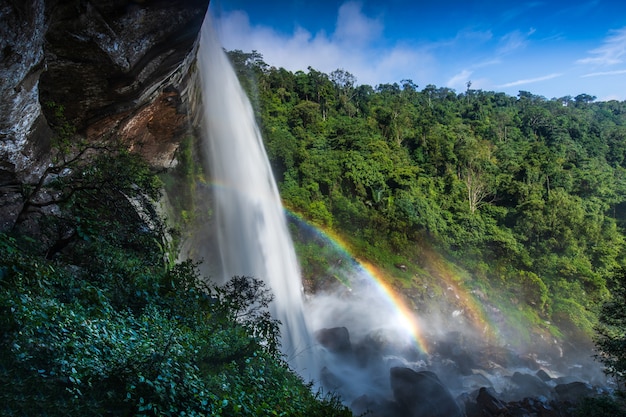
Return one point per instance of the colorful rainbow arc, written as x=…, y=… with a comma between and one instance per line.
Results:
x=407, y=319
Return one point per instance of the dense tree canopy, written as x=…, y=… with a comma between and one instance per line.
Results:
x=533, y=188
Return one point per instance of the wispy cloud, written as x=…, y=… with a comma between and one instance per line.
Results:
x=487, y=63
x=513, y=41
x=460, y=79
x=530, y=80
x=604, y=73
x=612, y=51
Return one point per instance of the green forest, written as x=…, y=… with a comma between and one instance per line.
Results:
x=526, y=193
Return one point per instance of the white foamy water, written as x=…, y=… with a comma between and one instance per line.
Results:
x=253, y=238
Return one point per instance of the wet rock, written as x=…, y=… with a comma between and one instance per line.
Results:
x=468, y=403
x=543, y=375
x=528, y=361
x=530, y=407
x=421, y=394
x=366, y=405
x=529, y=386
x=475, y=382
x=335, y=339
x=368, y=353
x=489, y=404
x=574, y=391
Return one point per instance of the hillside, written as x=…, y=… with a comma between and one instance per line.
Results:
x=525, y=194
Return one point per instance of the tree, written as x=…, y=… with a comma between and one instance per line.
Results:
x=478, y=190
x=611, y=338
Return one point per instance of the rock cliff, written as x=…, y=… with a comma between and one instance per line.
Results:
x=114, y=67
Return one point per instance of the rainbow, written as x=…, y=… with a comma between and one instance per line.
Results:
x=408, y=320
x=436, y=266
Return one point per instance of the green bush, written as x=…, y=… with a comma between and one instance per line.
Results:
x=93, y=322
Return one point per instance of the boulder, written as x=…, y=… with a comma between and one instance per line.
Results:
x=335, y=339
x=574, y=391
x=489, y=403
x=529, y=386
x=421, y=394
x=543, y=375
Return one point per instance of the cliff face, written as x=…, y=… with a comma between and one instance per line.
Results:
x=116, y=67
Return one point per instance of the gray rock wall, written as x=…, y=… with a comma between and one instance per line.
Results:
x=118, y=68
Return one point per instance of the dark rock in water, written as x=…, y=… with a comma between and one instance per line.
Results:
x=489, y=404
x=574, y=392
x=421, y=394
x=475, y=381
x=530, y=386
x=543, y=375
x=532, y=407
x=335, y=339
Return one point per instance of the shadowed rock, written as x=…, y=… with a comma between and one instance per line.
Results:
x=489, y=403
x=335, y=339
x=421, y=394
x=530, y=386
x=543, y=375
x=574, y=391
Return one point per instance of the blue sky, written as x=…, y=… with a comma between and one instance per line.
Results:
x=549, y=48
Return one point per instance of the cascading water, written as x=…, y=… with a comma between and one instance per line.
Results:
x=252, y=234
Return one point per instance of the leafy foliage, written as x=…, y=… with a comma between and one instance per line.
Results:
x=94, y=322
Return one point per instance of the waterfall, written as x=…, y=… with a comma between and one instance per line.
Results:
x=252, y=234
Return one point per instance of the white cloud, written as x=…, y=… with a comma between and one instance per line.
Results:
x=353, y=27
x=513, y=41
x=611, y=52
x=604, y=73
x=352, y=46
x=530, y=80
x=495, y=61
x=459, y=80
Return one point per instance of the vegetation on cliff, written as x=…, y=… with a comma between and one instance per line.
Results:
x=96, y=320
